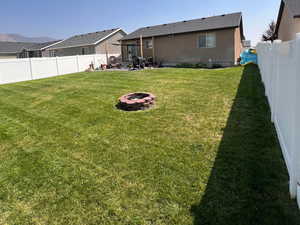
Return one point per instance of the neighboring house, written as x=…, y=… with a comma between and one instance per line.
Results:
x=288, y=22
x=101, y=42
x=10, y=50
x=216, y=39
x=37, y=50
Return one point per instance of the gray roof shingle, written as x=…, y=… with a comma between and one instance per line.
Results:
x=13, y=47
x=84, y=39
x=209, y=23
x=16, y=47
x=40, y=46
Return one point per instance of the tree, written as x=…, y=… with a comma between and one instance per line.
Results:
x=269, y=34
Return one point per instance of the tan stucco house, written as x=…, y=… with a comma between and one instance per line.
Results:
x=216, y=39
x=12, y=50
x=100, y=42
x=288, y=22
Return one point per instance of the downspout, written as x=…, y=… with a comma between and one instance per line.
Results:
x=106, y=53
x=141, y=46
x=153, y=50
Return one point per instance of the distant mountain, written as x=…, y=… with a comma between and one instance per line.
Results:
x=20, y=38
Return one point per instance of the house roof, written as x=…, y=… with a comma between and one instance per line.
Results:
x=13, y=47
x=40, y=46
x=294, y=9
x=203, y=24
x=86, y=39
x=16, y=47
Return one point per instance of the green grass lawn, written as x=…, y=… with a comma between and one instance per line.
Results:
x=207, y=152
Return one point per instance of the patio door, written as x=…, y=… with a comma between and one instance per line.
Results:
x=132, y=51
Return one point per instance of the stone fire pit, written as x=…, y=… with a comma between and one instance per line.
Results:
x=136, y=101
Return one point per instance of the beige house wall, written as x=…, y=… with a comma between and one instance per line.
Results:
x=183, y=48
x=289, y=26
x=238, y=45
x=46, y=53
x=148, y=52
x=88, y=50
x=8, y=56
x=110, y=44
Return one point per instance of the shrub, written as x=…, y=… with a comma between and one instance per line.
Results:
x=216, y=66
x=185, y=65
x=201, y=65
x=190, y=65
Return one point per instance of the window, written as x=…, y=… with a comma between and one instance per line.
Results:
x=149, y=44
x=82, y=51
x=207, y=40
x=52, y=53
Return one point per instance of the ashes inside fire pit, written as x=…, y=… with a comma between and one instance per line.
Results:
x=136, y=101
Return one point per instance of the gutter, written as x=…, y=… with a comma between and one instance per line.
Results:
x=71, y=46
x=187, y=32
x=51, y=45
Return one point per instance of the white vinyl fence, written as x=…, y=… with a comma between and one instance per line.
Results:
x=15, y=70
x=279, y=63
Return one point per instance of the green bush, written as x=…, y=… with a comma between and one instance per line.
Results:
x=201, y=65
x=190, y=65
x=185, y=65
x=216, y=65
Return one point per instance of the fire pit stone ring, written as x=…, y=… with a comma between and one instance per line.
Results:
x=136, y=101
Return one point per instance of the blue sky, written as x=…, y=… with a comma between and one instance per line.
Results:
x=62, y=18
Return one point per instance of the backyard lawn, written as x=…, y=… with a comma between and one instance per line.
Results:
x=207, y=152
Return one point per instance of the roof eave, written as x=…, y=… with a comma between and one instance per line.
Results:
x=187, y=32
x=242, y=29
x=282, y=5
x=71, y=46
x=107, y=36
x=48, y=46
x=32, y=50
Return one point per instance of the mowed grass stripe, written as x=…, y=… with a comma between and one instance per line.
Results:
x=70, y=157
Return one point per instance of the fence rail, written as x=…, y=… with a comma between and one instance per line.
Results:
x=15, y=70
x=279, y=63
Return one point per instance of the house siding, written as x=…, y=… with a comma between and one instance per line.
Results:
x=8, y=56
x=92, y=49
x=110, y=44
x=183, y=48
x=289, y=26
x=238, y=46
x=46, y=53
x=88, y=50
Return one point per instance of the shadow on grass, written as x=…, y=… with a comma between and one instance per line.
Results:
x=249, y=181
